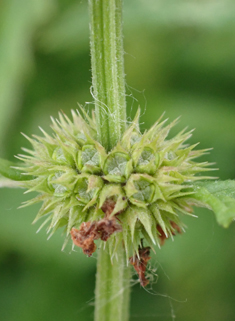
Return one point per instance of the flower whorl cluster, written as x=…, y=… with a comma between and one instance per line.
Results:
x=139, y=188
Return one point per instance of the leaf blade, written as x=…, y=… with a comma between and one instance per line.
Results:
x=219, y=196
x=7, y=170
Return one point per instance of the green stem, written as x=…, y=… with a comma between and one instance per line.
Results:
x=108, y=82
x=108, y=79
x=112, y=287
x=7, y=170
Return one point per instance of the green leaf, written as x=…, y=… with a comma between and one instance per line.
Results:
x=6, y=182
x=7, y=170
x=219, y=196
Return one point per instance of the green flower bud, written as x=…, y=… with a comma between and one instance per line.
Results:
x=87, y=189
x=81, y=139
x=58, y=155
x=95, y=185
x=146, y=160
x=62, y=181
x=59, y=189
x=117, y=167
x=65, y=154
x=134, y=138
x=80, y=190
x=142, y=189
x=89, y=160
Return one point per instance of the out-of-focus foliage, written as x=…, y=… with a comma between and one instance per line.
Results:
x=19, y=21
x=219, y=196
x=179, y=59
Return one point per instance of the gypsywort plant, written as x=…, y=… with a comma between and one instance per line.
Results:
x=138, y=190
x=112, y=188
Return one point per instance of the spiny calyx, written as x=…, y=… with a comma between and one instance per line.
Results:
x=139, y=188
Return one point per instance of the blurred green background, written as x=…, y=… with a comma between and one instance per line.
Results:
x=179, y=58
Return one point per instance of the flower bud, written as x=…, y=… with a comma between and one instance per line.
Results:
x=117, y=167
x=89, y=160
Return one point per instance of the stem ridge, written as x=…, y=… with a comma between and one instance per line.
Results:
x=112, y=287
x=108, y=81
x=108, y=78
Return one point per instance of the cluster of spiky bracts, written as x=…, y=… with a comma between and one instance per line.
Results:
x=135, y=192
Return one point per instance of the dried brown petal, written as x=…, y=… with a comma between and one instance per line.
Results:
x=140, y=264
x=90, y=231
x=162, y=236
x=106, y=227
x=176, y=228
x=84, y=237
x=108, y=206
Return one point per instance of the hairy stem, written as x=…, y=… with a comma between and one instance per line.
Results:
x=108, y=80
x=112, y=287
